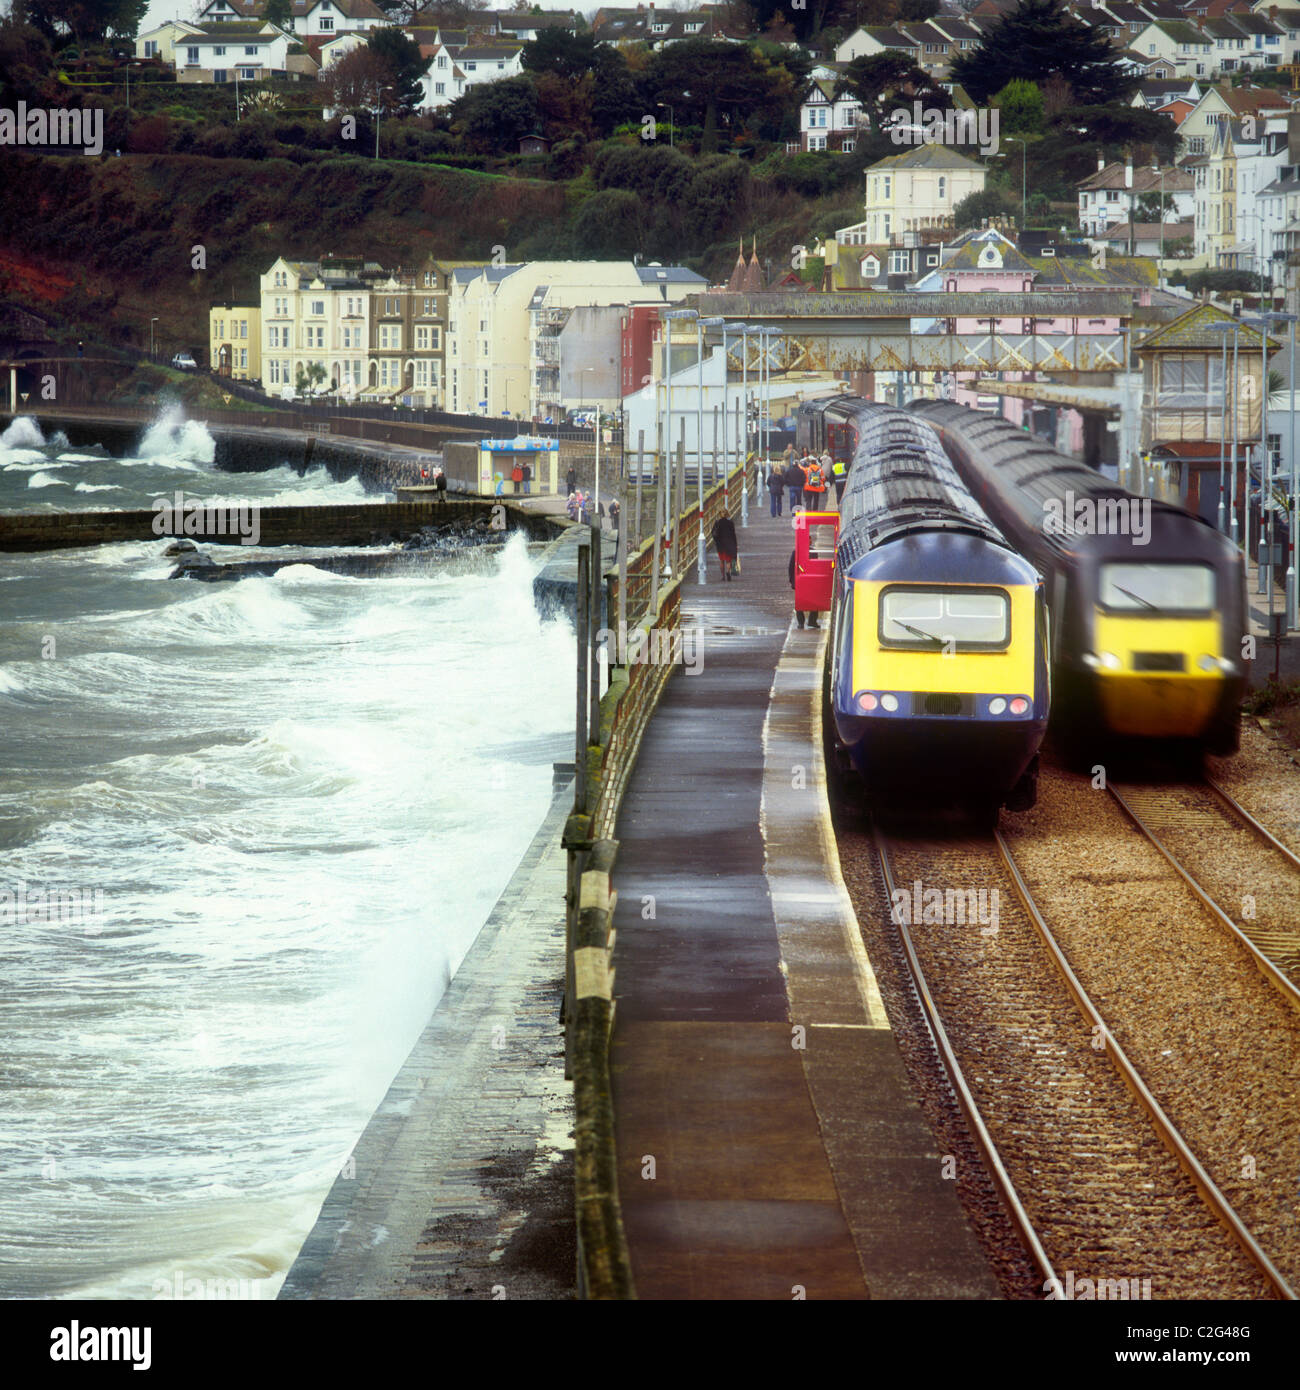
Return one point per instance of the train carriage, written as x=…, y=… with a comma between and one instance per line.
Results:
x=937, y=681
x=1147, y=602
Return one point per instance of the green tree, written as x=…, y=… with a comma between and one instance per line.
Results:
x=402, y=56
x=880, y=80
x=1036, y=40
x=494, y=115
x=558, y=51
x=279, y=13
x=976, y=207
x=1020, y=105
x=910, y=11
x=611, y=224
x=697, y=74
x=86, y=21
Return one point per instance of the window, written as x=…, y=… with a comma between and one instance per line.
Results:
x=1187, y=379
x=390, y=335
x=318, y=306
x=471, y=67
x=250, y=50
x=282, y=308
x=243, y=357
x=442, y=61
x=219, y=51
x=439, y=88
x=248, y=74
x=429, y=307
x=1157, y=588
x=150, y=49
x=943, y=188
x=927, y=619
x=191, y=56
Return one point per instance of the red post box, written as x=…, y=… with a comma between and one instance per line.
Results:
x=815, y=538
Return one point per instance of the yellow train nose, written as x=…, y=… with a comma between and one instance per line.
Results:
x=1159, y=706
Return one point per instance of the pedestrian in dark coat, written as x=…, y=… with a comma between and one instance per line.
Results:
x=440, y=482
x=724, y=542
x=794, y=481
x=571, y=480
x=776, y=488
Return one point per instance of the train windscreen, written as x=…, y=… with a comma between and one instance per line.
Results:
x=1157, y=588
x=960, y=619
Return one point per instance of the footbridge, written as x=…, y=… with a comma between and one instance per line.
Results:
x=875, y=331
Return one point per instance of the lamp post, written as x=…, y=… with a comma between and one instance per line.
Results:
x=1224, y=328
x=1024, y=201
x=1261, y=321
x=726, y=458
x=152, y=321
x=700, y=326
x=668, y=443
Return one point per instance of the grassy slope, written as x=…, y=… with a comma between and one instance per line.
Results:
x=110, y=242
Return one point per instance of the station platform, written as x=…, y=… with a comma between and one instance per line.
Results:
x=768, y=1143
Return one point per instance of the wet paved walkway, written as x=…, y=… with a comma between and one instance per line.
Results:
x=768, y=1144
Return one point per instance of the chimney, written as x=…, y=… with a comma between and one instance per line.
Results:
x=1272, y=12
x=1101, y=161
x=1128, y=171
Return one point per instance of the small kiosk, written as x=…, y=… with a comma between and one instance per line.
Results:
x=815, y=538
x=500, y=456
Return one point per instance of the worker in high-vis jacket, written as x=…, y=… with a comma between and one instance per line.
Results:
x=840, y=472
x=815, y=484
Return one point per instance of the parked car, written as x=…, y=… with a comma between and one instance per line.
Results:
x=184, y=362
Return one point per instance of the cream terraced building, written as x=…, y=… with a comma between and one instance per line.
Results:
x=505, y=331
x=235, y=341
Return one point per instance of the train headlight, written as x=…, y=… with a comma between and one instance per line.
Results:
x=1211, y=663
x=867, y=702
x=1019, y=705
x=889, y=702
x=1108, y=661
x=996, y=706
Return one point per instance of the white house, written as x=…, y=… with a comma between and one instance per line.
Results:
x=333, y=51
x=1187, y=49
x=161, y=42
x=828, y=121
x=453, y=71
x=1111, y=195
x=863, y=43
x=307, y=19
x=223, y=52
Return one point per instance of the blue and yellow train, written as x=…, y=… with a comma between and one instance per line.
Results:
x=1147, y=602
x=937, y=680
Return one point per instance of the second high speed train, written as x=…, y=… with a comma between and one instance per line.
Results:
x=1147, y=602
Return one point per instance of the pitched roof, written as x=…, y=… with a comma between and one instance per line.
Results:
x=1192, y=330
x=928, y=156
x=1145, y=179
x=1146, y=231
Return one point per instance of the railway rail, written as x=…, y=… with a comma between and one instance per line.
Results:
x=1235, y=856
x=1092, y=1193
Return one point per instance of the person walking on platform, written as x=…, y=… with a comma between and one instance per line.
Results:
x=724, y=542
x=440, y=482
x=811, y=615
x=615, y=511
x=840, y=472
x=571, y=480
x=814, y=488
x=776, y=488
x=528, y=476
x=828, y=473
x=794, y=481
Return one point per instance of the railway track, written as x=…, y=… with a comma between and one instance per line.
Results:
x=1092, y=1173
x=1247, y=878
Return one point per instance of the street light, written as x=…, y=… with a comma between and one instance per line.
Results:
x=742, y=329
x=700, y=325
x=1017, y=140
x=1224, y=327
x=668, y=106
x=668, y=441
x=152, y=321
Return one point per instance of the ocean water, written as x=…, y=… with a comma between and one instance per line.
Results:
x=248, y=832
x=171, y=455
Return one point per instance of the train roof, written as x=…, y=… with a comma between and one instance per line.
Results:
x=1031, y=479
x=902, y=482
